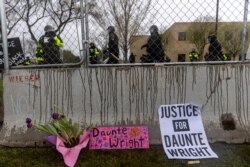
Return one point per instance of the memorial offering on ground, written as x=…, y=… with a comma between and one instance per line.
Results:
x=182, y=132
x=119, y=137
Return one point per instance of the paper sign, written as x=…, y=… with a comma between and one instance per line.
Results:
x=16, y=55
x=182, y=132
x=120, y=137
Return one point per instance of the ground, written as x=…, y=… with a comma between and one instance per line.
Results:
x=230, y=155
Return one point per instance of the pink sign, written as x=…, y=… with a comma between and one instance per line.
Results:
x=120, y=137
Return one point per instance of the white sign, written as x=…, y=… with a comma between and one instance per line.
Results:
x=182, y=132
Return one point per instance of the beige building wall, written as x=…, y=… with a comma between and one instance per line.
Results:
x=174, y=45
x=135, y=47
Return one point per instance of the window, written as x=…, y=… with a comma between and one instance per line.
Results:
x=182, y=36
x=181, y=57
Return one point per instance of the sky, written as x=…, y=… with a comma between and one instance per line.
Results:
x=170, y=11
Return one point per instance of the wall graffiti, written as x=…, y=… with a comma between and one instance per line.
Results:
x=131, y=96
x=24, y=78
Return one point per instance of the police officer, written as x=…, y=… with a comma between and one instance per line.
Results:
x=132, y=58
x=154, y=46
x=27, y=61
x=113, y=46
x=214, y=49
x=193, y=55
x=48, y=48
x=94, y=53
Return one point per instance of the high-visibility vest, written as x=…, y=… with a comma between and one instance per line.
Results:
x=193, y=56
x=96, y=53
x=58, y=42
x=40, y=59
x=27, y=62
x=225, y=57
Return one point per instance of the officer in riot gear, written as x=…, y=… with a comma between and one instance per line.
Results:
x=154, y=48
x=193, y=55
x=113, y=46
x=94, y=54
x=48, y=48
x=214, y=49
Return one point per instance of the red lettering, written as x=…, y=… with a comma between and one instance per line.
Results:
x=37, y=77
x=20, y=78
x=26, y=78
x=31, y=77
x=11, y=78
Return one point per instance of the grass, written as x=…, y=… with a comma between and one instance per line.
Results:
x=229, y=156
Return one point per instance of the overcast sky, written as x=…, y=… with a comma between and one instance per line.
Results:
x=170, y=11
x=162, y=13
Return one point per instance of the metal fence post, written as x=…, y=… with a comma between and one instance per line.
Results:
x=87, y=30
x=244, y=34
x=4, y=35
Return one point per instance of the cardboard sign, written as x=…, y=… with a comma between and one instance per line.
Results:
x=182, y=132
x=120, y=137
x=16, y=55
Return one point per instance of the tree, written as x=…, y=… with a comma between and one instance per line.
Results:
x=230, y=35
x=126, y=15
x=32, y=13
x=69, y=57
x=199, y=31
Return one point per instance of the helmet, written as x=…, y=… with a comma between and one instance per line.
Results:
x=212, y=38
x=153, y=29
x=111, y=29
x=92, y=44
x=48, y=28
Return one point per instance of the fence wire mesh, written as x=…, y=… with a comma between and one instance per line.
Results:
x=129, y=31
x=49, y=31
x=167, y=30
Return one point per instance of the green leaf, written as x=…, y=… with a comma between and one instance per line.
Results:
x=52, y=129
x=43, y=128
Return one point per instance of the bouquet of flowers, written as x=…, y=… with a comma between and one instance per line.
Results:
x=67, y=137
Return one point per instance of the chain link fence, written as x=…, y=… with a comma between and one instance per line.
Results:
x=169, y=31
x=48, y=31
x=129, y=31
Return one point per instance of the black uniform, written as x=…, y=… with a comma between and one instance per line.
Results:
x=154, y=46
x=132, y=58
x=214, y=49
x=113, y=46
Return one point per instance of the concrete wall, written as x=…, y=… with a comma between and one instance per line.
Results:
x=126, y=95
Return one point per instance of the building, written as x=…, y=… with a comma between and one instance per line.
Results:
x=177, y=44
x=136, y=44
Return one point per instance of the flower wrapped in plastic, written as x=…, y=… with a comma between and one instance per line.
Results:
x=67, y=137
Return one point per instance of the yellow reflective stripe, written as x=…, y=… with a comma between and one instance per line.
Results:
x=196, y=56
x=97, y=52
x=39, y=51
x=190, y=56
x=39, y=46
x=40, y=59
x=58, y=42
x=225, y=57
